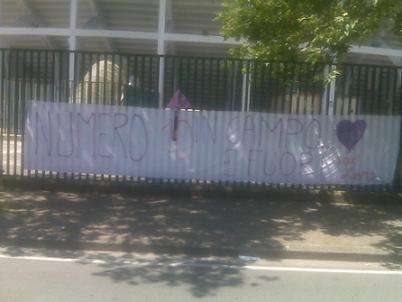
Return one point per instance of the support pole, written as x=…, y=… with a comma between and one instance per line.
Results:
x=72, y=46
x=162, y=50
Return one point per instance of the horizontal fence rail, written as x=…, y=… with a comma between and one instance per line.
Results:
x=219, y=84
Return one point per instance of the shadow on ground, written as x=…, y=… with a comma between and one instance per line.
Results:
x=199, y=225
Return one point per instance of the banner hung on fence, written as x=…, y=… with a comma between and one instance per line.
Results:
x=211, y=145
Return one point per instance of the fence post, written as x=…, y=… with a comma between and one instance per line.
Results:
x=246, y=87
x=328, y=100
x=71, y=76
x=397, y=184
x=2, y=107
x=161, y=83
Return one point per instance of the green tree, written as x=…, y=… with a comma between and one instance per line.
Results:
x=305, y=30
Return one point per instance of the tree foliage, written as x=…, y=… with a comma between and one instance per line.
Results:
x=305, y=30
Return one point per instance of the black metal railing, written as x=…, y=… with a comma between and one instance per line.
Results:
x=208, y=83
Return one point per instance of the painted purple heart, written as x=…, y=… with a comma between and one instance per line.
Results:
x=349, y=133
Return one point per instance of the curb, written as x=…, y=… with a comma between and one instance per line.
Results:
x=197, y=251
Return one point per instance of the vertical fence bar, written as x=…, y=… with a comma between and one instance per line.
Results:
x=31, y=84
x=37, y=89
x=4, y=86
x=251, y=69
x=45, y=75
x=398, y=100
x=325, y=91
x=202, y=106
x=187, y=83
x=75, y=88
x=103, y=101
x=97, y=80
x=309, y=88
x=388, y=109
x=2, y=111
x=98, y=88
x=395, y=91
x=226, y=100
x=163, y=86
x=298, y=88
x=350, y=90
x=232, y=85
x=64, y=86
x=112, y=89
x=142, y=81
x=289, y=83
x=31, y=76
x=373, y=89
x=315, y=88
x=218, y=82
x=195, y=84
x=344, y=87
x=322, y=88
x=137, y=85
x=119, y=88
x=81, y=82
x=305, y=87
x=152, y=98
x=148, y=94
x=398, y=171
x=211, y=84
x=23, y=109
x=267, y=91
x=112, y=98
x=161, y=80
x=358, y=91
x=118, y=97
x=275, y=89
x=105, y=60
x=380, y=87
x=262, y=106
x=90, y=80
x=179, y=74
x=8, y=110
x=54, y=76
x=366, y=78
x=38, y=76
x=136, y=80
x=16, y=109
x=51, y=85
x=60, y=86
x=243, y=87
x=284, y=83
x=331, y=91
x=246, y=86
x=338, y=91
x=89, y=94
x=124, y=89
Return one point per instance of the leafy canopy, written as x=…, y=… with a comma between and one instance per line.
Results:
x=305, y=30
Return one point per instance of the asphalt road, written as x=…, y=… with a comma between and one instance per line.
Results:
x=109, y=278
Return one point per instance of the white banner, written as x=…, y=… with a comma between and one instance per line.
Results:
x=211, y=145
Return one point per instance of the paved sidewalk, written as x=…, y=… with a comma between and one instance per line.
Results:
x=340, y=226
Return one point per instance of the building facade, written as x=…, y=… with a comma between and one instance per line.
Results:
x=93, y=50
x=173, y=27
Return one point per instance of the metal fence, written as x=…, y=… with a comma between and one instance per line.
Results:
x=208, y=83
